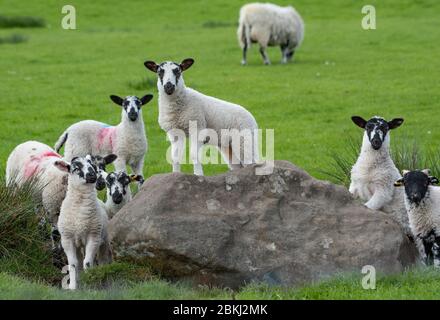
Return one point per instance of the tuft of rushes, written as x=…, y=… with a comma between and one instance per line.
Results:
x=21, y=22
x=405, y=152
x=25, y=247
x=13, y=39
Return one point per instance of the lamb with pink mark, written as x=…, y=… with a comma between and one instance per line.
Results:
x=127, y=140
x=34, y=160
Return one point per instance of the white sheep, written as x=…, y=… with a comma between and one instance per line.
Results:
x=374, y=173
x=118, y=191
x=270, y=25
x=422, y=202
x=127, y=140
x=83, y=221
x=180, y=106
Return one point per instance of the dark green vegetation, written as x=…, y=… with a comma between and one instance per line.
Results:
x=57, y=77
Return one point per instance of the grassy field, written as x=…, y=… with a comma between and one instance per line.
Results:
x=50, y=78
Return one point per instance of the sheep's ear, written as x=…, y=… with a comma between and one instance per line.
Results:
x=136, y=177
x=359, y=121
x=399, y=183
x=117, y=100
x=151, y=65
x=395, y=123
x=110, y=158
x=62, y=165
x=427, y=172
x=433, y=180
x=147, y=98
x=404, y=172
x=186, y=64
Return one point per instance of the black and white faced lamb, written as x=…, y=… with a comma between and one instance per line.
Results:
x=374, y=173
x=118, y=191
x=127, y=140
x=83, y=222
x=219, y=123
x=422, y=202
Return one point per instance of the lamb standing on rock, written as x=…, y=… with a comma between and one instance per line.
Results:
x=374, y=173
x=118, y=191
x=83, y=221
x=422, y=202
x=127, y=140
x=270, y=25
x=180, y=105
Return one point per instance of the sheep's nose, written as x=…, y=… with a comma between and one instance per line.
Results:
x=100, y=183
x=91, y=177
x=169, y=88
x=132, y=115
x=376, y=144
x=416, y=197
x=117, y=197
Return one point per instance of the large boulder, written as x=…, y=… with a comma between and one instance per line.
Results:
x=284, y=228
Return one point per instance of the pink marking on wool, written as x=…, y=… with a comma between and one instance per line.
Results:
x=106, y=137
x=33, y=165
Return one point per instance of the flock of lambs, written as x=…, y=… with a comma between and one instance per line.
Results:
x=69, y=184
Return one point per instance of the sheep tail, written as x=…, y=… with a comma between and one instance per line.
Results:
x=243, y=32
x=61, y=141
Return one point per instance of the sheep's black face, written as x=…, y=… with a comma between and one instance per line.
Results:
x=132, y=105
x=169, y=73
x=100, y=163
x=117, y=184
x=377, y=128
x=416, y=184
x=84, y=169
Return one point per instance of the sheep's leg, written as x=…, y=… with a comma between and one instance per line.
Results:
x=70, y=250
x=231, y=160
x=244, y=60
x=284, y=49
x=177, y=145
x=137, y=168
x=195, y=157
x=120, y=164
x=92, y=246
x=264, y=55
x=380, y=197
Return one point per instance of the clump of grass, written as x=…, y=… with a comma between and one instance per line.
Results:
x=25, y=247
x=21, y=22
x=15, y=38
x=216, y=24
x=114, y=275
x=142, y=84
x=405, y=152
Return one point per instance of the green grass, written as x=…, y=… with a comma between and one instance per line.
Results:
x=415, y=284
x=58, y=77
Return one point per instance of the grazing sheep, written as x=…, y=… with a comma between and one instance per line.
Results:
x=83, y=221
x=270, y=25
x=127, y=140
x=180, y=106
x=422, y=202
x=118, y=191
x=374, y=173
